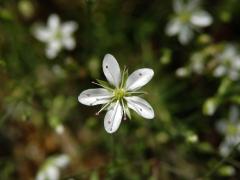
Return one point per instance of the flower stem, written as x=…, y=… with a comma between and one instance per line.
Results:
x=113, y=160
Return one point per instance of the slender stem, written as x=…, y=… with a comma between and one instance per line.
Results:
x=217, y=166
x=113, y=162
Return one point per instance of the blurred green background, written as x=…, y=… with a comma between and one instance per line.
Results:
x=38, y=95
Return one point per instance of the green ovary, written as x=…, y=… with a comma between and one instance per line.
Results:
x=58, y=35
x=119, y=94
x=185, y=17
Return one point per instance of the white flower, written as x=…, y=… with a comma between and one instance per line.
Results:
x=121, y=96
x=230, y=128
x=51, y=168
x=228, y=63
x=56, y=35
x=187, y=18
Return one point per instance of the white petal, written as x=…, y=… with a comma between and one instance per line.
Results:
x=173, y=27
x=69, y=43
x=52, y=173
x=234, y=114
x=192, y=5
x=53, y=48
x=69, y=27
x=113, y=118
x=201, y=19
x=185, y=35
x=41, y=33
x=51, y=53
x=111, y=70
x=178, y=6
x=139, y=78
x=234, y=75
x=62, y=161
x=142, y=107
x=92, y=97
x=41, y=176
x=53, y=22
x=220, y=71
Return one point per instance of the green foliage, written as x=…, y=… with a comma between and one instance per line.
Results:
x=38, y=95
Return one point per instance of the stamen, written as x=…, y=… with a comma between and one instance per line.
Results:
x=105, y=106
x=136, y=92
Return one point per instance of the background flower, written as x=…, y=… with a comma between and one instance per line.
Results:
x=187, y=17
x=56, y=35
x=40, y=116
x=230, y=128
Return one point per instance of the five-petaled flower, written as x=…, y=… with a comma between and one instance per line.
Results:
x=228, y=63
x=188, y=17
x=230, y=128
x=56, y=35
x=120, y=94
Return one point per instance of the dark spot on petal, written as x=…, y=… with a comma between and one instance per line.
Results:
x=106, y=66
x=109, y=122
x=88, y=95
x=140, y=109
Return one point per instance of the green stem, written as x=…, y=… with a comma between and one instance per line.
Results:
x=113, y=154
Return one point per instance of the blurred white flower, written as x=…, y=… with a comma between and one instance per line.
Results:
x=228, y=63
x=60, y=129
x=121, y=95
x=56, y=35
x=188, y=17
x=51, y=168
x=230, y=128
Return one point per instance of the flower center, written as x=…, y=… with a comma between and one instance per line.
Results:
x=119, y=93
x=58, y=34
x=231, y=129
x=185, y=17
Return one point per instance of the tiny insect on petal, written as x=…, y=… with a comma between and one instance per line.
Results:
x=142, y=107
x=93, y=97
x=111, y=70
x=139, y=78
x=113, y=118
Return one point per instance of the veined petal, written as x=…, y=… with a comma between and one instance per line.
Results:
x=139, y=78
x=111, y=70
x=113, y=118
x=142, y=107
x=201, y=18
x=92, y=97
x=53, y=22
